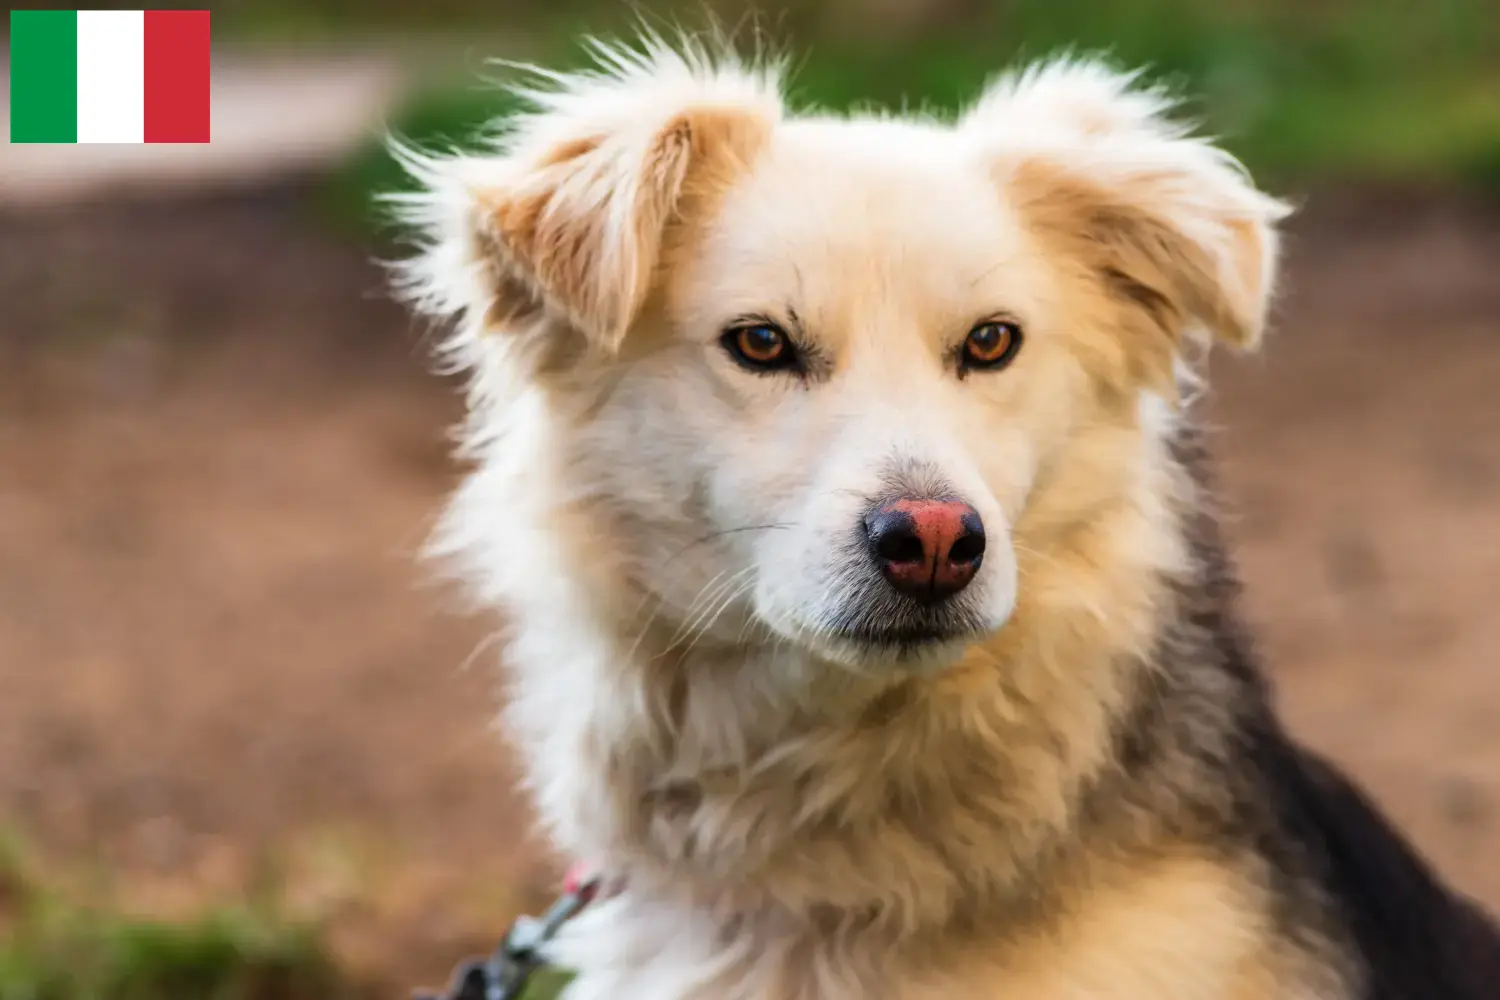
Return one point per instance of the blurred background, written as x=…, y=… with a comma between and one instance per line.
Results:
x=246, y=747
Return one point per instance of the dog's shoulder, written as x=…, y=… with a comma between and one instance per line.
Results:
x=1414, y=939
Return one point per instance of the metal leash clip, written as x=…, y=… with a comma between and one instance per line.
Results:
x=503, y=975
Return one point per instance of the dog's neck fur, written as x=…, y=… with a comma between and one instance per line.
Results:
x=907, y=803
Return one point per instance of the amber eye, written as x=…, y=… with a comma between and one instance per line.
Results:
x=760, y=346
x=990, y=345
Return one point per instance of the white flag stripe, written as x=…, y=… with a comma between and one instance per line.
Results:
x=111, y=76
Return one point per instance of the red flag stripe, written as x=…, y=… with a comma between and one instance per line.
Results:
x=177, y=76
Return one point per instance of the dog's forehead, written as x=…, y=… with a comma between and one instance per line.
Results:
x=835, y=206
x=871, y=181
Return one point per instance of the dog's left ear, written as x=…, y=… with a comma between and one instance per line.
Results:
x=1170, y=223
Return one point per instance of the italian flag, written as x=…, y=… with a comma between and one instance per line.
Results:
x=109, y=76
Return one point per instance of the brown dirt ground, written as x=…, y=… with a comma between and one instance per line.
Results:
x=221, y=668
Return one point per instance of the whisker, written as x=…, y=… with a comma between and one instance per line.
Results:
x=702, y=611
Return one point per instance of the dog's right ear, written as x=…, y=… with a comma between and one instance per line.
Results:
x=567, y=218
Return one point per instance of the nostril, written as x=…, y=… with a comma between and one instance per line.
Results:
x=893, y=537
x=900, y=546
x=968, y=548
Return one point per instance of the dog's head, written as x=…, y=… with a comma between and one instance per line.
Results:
x=829, y=383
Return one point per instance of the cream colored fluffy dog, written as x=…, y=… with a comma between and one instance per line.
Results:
x=867, y=619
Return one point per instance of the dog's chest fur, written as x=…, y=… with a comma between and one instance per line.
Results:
x=1182, y=930
x=1186, y=929
x=758, y=888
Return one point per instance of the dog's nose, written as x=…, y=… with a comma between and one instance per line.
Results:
x=927, y=549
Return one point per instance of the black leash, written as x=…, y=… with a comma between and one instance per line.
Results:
x=504, y=973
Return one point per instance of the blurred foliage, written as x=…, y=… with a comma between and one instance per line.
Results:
x=53, y=947
x=546, y=984
x=62, y=939
x=1363, y=88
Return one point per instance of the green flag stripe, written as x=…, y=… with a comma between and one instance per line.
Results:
x=43, y=76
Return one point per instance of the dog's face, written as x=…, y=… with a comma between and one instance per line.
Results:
x=852, y=382
x=831, y=384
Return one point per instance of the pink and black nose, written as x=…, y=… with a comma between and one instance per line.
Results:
x=927, y=549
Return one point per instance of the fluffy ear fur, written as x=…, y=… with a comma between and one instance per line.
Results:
x=566, y=217
x=1171, y=223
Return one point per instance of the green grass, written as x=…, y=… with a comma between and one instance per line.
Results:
x=53, y=947
x=1384, y=89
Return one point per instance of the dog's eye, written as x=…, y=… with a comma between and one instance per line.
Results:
x=760, y=347
x=990, y=345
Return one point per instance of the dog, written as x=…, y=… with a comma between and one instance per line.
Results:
x=868, y=617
